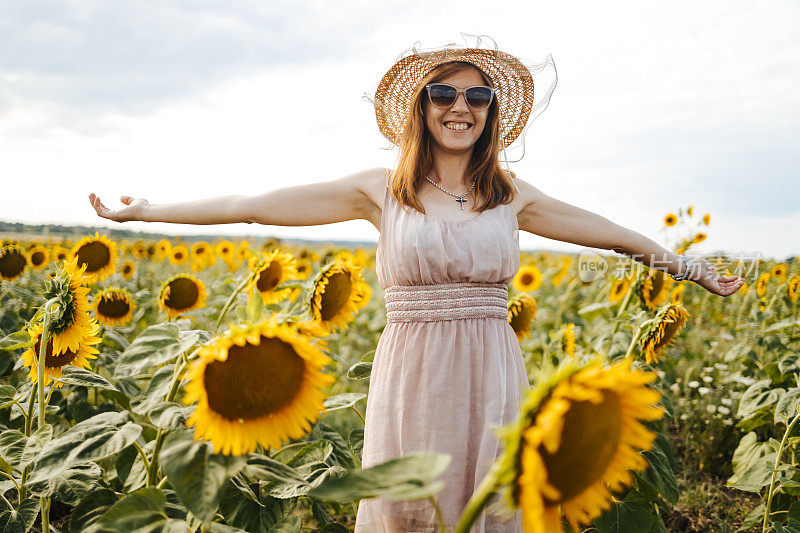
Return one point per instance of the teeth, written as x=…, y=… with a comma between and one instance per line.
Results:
x=456, y=125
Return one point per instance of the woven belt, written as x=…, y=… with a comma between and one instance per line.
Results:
x=446, y=301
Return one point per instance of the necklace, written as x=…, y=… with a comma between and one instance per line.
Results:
x=459, y=198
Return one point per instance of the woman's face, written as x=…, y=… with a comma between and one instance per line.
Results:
x=437, y=120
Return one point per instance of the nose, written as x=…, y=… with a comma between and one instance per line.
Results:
x=460, y=105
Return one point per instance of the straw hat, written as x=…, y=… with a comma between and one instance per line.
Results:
x=512, y=80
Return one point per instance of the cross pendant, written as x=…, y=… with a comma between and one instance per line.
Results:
x=461, y=201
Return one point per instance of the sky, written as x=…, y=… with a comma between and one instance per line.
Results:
x=658, y=105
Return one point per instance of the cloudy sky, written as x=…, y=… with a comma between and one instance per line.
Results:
x=658, y=105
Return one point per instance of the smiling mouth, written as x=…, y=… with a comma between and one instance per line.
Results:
x=457, y=126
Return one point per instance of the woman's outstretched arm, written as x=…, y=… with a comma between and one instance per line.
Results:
x=348, y=198
x=546, y=216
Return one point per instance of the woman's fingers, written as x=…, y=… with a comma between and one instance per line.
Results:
x=126, y=199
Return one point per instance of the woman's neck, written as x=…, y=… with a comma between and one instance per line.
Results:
x=450, y=170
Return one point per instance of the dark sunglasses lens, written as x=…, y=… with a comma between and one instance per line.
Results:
x=442, y=95
x=479, y=97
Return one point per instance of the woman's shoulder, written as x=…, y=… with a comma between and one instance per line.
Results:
x=524, y=195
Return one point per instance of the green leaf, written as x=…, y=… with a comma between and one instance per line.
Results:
x=787, y=406
x=242, y=508
x=659, y=475
x=749, y=464
x=757, y=396
x=632, y=515
x=16, y=340
x=156, y=390
x=90, y=508
x=409, y=477
x=7, y=393
x=287, y=524
x=72, y=375
x=789, y=363
x=20, y=519
x=195, y=473
x=20, y=450
x=158, y=344
x=170, y=415
x=592, y=311
x=263, y=468
x=139, y=512
x=341, y=450
x=91, y=440
x=342, y=401
x=360, y=370
x=71, y=486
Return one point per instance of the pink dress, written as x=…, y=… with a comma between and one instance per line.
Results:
x=448, y=366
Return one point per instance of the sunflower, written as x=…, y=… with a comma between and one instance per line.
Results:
x=565, y=261
x=761, y=284
x=139, y=250
x=98, y=254
x=73, y=324
x=568, y=339
x=226, y=251
x=690, y=210
x=654, y=289
x=274, y=268
x=12, y=262
x=54, y=359
x=577, y=438
x=700, y=237
x=261, y=384
x=243, y=252
x=706, y=219
x=164, y=247
x=311, y=255
x=178, y=255
x=618, y=289
x=38, y=257
x=676, y=296
x=127, y=269
x=779, y=272
x=762, y=303
x=337, y=293
x=113, y=307
x=658, y=333
x=59, y=253
x=303, y=268
x=793, y=289
x=181, y=293
x=528, y=278
x=521, y=312
x=670, y=220
x=202, y=254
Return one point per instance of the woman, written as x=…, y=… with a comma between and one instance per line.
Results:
x=448, y=367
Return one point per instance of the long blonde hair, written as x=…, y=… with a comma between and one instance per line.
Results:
x=415, y=160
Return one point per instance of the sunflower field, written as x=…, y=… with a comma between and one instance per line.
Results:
x=220, y=387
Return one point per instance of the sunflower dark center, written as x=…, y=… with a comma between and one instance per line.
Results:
x=178, y=255
x=183, y=293
x=589, y=442
x=521, y=319
x=95, y=255
x=50, y=360
x=269, y=277
x=12, y=263
x=254, y=381
x=113, y=307
x=526, y=279
x=336, y=295
x=670, y=330
x=127, y=269
x=37, y=258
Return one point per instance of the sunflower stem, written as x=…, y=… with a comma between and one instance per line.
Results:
x=152, y=471
x=633, y=342
x=49, y=308
x=28, y=423
x=14, y=481
x=622, y=307
x=228, y=304
x=353, y=407
x=778, y=453
x=142, y=455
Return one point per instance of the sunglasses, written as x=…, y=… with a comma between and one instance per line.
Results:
x=444, y=95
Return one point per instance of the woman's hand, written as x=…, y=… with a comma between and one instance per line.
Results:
x=705, y=275
x=134, y=209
